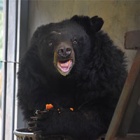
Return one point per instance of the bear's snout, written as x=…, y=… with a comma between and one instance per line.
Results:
x=64, y=58
x=64, y=50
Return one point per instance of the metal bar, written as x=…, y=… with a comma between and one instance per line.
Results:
x=5, y=61
x=22, y=42
x=11, y=45
x=4, y=68
x=14, y=67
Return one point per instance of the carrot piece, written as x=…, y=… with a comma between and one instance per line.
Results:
x=72, y=109
x=49, y=106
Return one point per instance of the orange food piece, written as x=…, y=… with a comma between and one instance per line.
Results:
x=49, y=106
x=72, y=109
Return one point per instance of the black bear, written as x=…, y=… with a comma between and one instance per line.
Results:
x=75, y=67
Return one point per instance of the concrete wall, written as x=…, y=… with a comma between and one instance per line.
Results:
x=120, y=16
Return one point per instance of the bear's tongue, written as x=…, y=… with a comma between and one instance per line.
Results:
x=65, y=66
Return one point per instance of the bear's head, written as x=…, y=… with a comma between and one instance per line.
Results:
x=63, y=46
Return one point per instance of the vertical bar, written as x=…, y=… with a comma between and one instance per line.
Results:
x=22, y=35
x=10, y=69
x=4, y=68
x=14, y=67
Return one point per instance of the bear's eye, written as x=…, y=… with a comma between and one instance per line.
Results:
x=75, y=42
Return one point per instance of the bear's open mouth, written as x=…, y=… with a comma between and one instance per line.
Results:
x=64, y=59
x=65, y=66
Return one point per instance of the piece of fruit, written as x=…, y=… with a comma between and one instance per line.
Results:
x=49, y=106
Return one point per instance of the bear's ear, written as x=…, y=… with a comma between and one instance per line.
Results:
x=84, y=21
x=96, y=23
x=91, y=25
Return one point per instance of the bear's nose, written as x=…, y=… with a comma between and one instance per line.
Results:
x=64, y=52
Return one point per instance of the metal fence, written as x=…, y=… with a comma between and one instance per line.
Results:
x=15, y=42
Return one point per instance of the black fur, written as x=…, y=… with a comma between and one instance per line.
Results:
x=92, y=87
